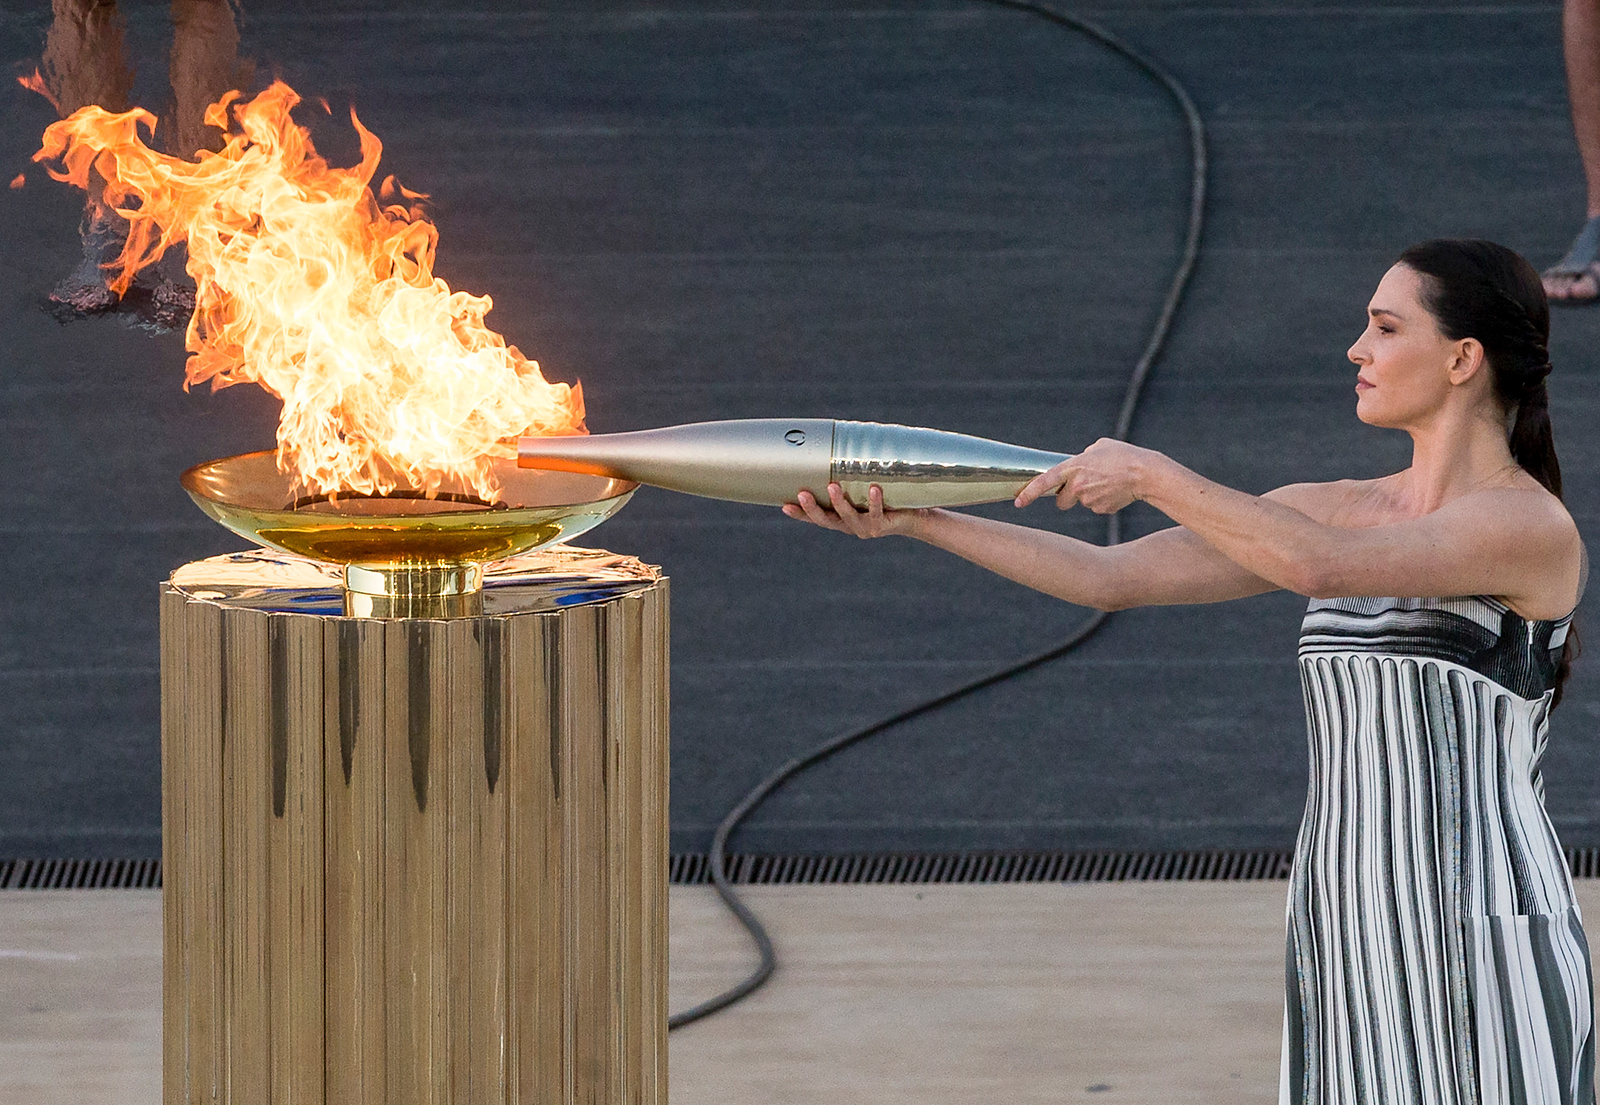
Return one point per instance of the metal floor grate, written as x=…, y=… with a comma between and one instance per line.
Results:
x=80, y=874
x=985, y=867
x=1014, y=867
x=693, y=869
x=1585, y=862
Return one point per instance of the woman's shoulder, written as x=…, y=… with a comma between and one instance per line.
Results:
x=1525, y=506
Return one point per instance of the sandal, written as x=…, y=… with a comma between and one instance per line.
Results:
x=1575, y=279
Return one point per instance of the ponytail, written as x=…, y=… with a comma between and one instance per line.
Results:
x=1533, y=443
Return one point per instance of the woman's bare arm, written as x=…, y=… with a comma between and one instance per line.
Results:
x=1507, y=542
x=1169, y=567
x=1517, y=543
x=1172, y=566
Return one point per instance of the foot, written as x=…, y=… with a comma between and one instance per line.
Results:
x=1572, y=287
x=162, y=296
x=84, y=294
x=1576, y=277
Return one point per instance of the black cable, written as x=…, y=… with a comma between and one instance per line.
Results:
x=1130, y=405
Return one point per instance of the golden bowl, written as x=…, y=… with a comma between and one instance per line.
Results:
x=403, y=543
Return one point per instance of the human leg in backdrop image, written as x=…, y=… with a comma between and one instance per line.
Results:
x=86, y=62
x=1576, y=277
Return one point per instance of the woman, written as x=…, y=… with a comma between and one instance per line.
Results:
x=1435, y=951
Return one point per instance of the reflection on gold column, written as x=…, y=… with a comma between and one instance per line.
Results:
x=415, y=861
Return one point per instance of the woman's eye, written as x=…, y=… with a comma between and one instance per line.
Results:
x=1386, y=329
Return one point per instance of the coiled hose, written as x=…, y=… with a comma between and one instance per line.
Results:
x=1130, y=405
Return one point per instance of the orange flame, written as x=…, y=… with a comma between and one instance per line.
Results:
x=35, y=83
x=309, y=287
x=18, y=181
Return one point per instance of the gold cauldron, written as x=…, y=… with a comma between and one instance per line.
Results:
x=406, y=553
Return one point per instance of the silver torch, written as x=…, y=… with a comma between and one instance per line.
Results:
x=770, y=460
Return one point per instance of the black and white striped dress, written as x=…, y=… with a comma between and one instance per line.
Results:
x=1436, y=954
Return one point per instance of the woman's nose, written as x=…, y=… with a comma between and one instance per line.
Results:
x=1356, y=353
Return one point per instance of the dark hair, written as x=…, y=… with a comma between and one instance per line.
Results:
x=1482, y=290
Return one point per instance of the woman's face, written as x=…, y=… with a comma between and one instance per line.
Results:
x=1405, y=362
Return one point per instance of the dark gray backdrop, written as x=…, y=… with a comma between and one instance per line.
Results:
x=937, y=213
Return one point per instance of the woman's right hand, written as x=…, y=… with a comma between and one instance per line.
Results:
x=875, y=521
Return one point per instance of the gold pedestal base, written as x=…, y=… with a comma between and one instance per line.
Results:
x=415, y=861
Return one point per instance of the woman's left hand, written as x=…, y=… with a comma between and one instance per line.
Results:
x=1105, y=477
x=875, y=521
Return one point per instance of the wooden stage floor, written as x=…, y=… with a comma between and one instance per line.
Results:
x=937, y=994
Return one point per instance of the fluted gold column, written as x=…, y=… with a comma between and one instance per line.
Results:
x=415, y=862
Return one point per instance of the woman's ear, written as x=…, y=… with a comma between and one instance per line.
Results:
x=1468, y=361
